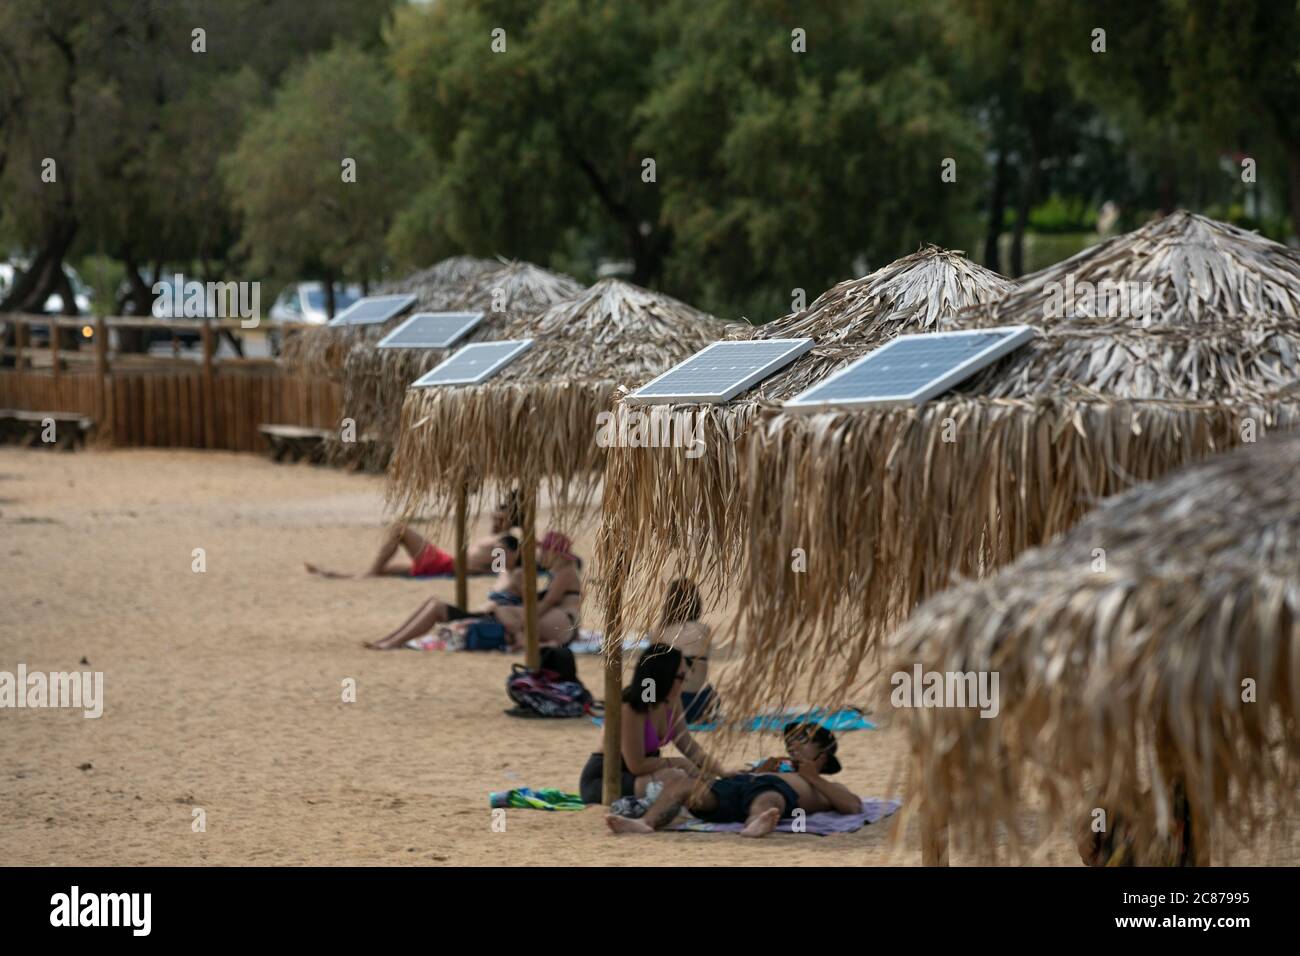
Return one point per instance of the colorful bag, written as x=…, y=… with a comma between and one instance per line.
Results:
x=544, y=693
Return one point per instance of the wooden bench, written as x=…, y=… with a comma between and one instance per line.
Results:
x=295, y=443
x=21, y=427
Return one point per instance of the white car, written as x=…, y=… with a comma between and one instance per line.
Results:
x=305, y=302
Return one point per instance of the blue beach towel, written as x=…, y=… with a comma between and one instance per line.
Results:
x=837, y=721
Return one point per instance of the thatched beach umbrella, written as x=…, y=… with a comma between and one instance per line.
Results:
x=375, y=380
x=534, y=423
x=887, y=506
x=1152, y=649
x=666, y=512
x=321, y=352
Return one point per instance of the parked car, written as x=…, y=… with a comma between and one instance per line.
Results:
x=172, y=307
x=305, y=302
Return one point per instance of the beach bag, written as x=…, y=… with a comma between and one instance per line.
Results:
x=542, y=693
x=485, y=634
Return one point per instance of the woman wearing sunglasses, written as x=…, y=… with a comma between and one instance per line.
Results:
x=652, y=717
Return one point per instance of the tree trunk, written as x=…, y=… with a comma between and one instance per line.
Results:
x=1028, y=187
x=329, y=295
x=33, y=287
x=1293, y=197
x=140, y=298
x=997, y=212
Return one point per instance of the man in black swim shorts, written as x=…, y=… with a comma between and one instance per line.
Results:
x=759, y=800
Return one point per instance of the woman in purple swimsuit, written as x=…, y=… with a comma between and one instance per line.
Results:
x=652, y=716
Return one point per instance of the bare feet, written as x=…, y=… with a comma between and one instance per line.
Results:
x=624, y=825
x=763, y=824
x=321, y=572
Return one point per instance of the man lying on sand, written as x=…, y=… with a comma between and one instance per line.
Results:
x=759, y=799
x=427, y=559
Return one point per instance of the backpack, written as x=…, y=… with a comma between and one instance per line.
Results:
x=544, y=693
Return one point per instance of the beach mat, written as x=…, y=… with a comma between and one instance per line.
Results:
x=816, y=824
x=447, y=576
x=837, y=721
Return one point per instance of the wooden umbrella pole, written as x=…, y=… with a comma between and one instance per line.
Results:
x=612, y=785
x=462, y=550
x=934, y=828
x=528, y=549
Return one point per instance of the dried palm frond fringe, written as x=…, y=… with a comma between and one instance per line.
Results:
x=1172, y=663
x=534, y=424
x=886, y=506
x=880, y=511
x=321, y=352
x=671, y=514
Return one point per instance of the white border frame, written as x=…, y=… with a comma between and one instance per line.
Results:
x=520, y=346
x=1014, y=337
x=464, y=330
x=797, y=347
x=342, y=317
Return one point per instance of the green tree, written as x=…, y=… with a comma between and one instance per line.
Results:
x=319, y=175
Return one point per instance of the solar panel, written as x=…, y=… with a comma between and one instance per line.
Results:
x=374, y=309
x=473, y=363
x=912, y=368
x=431, y=330
x=720, y=371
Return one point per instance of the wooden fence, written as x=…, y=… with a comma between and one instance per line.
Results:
x=162, y=401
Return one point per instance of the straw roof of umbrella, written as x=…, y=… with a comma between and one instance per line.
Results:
x=375, y=380
x=534, y=423
x=321, y=352
x=1156, y=642
x=665, y=513
x=888, y=505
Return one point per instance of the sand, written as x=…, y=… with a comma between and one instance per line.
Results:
x=223, y=690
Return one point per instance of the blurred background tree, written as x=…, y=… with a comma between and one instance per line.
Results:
x=727, y=152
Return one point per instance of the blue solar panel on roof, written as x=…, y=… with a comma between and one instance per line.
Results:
x=374, y=309
x=721, y=371
x=431, y=330
x=473, y=363
x=913, y=368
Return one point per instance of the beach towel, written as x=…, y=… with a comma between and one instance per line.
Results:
x=817, y=824
x=446, y=575
x=525, y=798
x=837, y=721
x=592, y=642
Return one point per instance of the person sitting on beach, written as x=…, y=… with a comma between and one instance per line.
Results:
x=426, y=558
x=758, y=799
x=681, y=627
x=652, y=715
x=506, y=592
x=559, y=605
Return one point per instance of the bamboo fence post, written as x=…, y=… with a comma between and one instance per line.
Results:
x=54, y=351
x=462, y=549
x=101, y=379
x=612, y=784
x=528, y=550
x=209, y=394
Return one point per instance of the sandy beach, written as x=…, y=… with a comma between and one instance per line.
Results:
x=223, y=691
